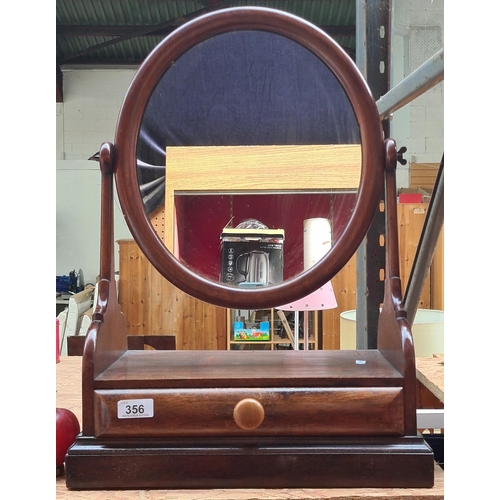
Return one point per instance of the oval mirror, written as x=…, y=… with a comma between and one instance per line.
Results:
x=247, y=138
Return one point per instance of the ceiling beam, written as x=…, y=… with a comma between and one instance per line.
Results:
x=96, y=62
x=126, y=33
x=165, y=29
x=85, y=60
x=211, y=5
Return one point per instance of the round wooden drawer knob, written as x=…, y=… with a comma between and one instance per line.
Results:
x=248, y=414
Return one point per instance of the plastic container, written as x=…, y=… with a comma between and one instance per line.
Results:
x=62, y=284
x=348, y=330
x=427, y=330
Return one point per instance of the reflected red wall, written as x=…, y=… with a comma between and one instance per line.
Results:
x=201, y=219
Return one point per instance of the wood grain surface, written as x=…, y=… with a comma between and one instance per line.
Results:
x=68, y=395
x=430, y=372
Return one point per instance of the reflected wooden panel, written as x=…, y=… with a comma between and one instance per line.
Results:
x=153, y=306
x=257, y=168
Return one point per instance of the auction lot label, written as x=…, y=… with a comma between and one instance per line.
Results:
x=135, y=408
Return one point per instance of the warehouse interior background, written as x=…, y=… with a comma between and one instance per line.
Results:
x=471, y=272
x=94, y=85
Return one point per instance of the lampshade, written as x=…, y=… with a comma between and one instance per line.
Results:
x=317, y=242
x=322, y=298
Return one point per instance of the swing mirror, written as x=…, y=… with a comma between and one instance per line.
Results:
x=248, y=119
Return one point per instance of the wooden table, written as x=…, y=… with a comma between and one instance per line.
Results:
x=430, y=372
x=68, y=395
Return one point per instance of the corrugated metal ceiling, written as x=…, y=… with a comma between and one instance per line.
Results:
x=123, y=32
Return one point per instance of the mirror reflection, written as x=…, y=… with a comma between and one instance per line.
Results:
x=247, y=126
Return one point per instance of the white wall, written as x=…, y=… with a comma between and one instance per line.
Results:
x=92, y=100
x=86, y=119
x=418, y=34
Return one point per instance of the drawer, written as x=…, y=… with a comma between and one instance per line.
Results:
x=374, y=411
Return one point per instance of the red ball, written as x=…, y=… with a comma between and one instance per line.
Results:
x=67, y=428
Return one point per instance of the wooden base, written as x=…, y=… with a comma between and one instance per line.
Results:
x=406, y=462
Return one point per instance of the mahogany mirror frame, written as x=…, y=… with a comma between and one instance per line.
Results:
x=128, y=128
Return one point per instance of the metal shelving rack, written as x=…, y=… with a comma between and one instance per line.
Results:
x=279, y=339
x=373, y=34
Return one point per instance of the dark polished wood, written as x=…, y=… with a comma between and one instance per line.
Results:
x=157, y=342
x=328, y=419
x=285, y=412
x=75, y=345
x=68, y=395
x=248, y=463
x=188, y=369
